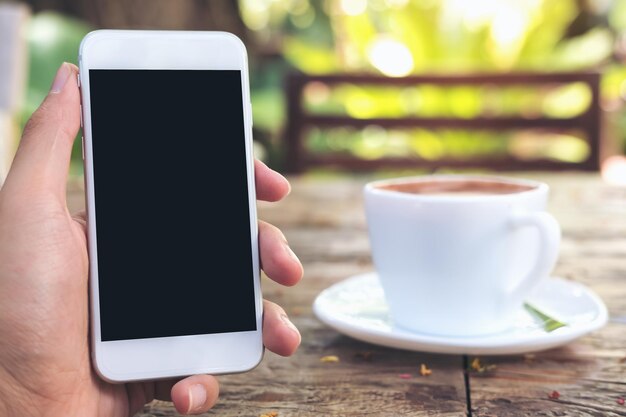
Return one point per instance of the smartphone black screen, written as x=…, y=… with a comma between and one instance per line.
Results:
x=171, y=203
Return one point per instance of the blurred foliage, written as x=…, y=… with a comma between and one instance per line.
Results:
x=374, y=142
x=403, y=37
x=464, y=102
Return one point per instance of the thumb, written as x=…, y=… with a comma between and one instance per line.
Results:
x=41, y=164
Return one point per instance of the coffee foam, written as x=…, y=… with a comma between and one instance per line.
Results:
x=467, y=187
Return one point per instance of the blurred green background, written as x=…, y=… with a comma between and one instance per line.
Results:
x=393, y=38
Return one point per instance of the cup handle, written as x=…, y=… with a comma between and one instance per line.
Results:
x=549, y=239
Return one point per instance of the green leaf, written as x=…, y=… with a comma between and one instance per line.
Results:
x=549, y=323
x=309, y=57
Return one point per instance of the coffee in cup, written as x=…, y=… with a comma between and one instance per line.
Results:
x=457, y=255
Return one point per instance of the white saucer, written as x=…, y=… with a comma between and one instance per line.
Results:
x=356, y=307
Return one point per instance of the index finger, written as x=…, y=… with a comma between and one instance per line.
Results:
x=270, y=185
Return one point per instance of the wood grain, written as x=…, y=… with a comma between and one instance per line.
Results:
x=589, y=374
x=324, y=222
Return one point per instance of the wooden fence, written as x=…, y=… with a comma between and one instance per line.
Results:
x=298, y=158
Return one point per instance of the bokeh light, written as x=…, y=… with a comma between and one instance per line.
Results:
x=353, y=7
x=391, y=57
x=614, y=170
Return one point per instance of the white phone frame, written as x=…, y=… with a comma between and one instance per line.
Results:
x=167, y=357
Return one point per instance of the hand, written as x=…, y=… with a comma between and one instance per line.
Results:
x=45, y=367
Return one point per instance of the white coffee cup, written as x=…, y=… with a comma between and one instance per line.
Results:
x=457, y=255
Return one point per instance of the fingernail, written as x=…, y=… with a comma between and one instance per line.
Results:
x=63, y=74
x=197, y=397
x=289, y=324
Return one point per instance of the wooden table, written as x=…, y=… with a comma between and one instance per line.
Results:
x=324, y=221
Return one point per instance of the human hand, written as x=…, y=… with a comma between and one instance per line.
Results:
x=45, y=367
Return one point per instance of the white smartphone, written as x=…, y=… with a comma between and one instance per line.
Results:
x=171, y=204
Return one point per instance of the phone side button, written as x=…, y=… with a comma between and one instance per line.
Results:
x=81, y=116
x=82, y=142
